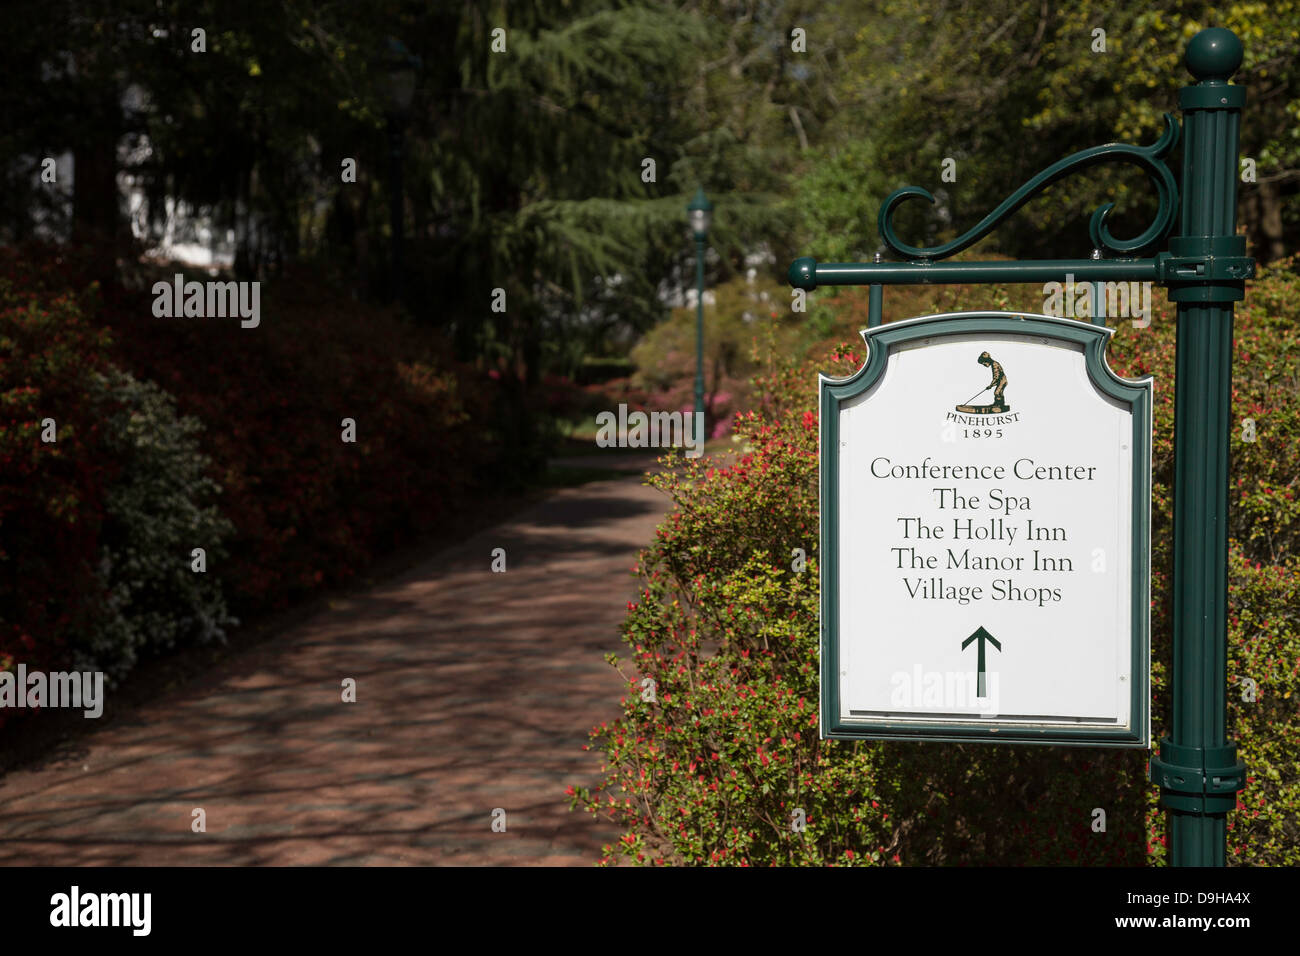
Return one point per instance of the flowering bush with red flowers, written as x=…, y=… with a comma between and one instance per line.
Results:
x=96, y=530
x=51, y=493
x=98, y=523
x=743, y=320
x=310, y=509
x=1263, y=557
x=722, y=763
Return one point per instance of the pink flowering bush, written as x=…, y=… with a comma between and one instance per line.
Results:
x=722, y=764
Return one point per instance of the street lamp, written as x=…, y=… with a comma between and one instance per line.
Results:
x=401, y=68
x=701, y=213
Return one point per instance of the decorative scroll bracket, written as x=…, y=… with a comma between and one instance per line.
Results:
x=1149, y=158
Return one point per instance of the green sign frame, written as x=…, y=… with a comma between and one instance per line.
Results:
x=1135, y=395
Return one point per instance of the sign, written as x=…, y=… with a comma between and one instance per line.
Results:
x=986, y=489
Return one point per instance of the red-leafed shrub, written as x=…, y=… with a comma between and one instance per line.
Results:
x=310, y=509
x=51, y=492
x=103, y=494
x=96, y=530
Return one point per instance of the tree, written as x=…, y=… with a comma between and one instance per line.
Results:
x=1005, y=88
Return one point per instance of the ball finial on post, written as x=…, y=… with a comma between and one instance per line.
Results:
x=1213, y=54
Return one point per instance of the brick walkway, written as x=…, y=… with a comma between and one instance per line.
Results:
x=475, y=691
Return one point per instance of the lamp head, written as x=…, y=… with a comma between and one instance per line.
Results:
x=402, y=68
x=701, y=213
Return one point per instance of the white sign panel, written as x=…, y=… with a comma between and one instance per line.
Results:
x=982, y=566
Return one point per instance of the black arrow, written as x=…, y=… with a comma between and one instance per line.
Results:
x=982, y=636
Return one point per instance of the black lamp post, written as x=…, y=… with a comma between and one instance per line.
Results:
x=401, y=73
x=701, y=213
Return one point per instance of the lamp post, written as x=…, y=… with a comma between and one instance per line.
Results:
x=1197, y=766
x=701, y=213
x=401, y=72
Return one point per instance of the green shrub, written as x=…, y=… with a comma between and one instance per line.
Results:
x=714, y=768
x=158, y=508
x=1264, y=645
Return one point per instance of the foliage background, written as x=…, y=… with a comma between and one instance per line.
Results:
x=524, y=170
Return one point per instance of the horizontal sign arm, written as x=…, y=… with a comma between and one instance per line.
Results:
x=807, y=273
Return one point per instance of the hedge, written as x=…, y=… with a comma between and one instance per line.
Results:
x=722, y=764
x=175, y=434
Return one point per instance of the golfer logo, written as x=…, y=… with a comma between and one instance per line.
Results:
x=999, y=386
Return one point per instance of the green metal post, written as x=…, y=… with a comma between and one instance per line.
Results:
x=1098, y=300
x=700, y=211
x=875, y=301
x=699, y=339
x=1197, y=767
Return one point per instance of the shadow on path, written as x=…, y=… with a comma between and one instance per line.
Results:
x=475, y=690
